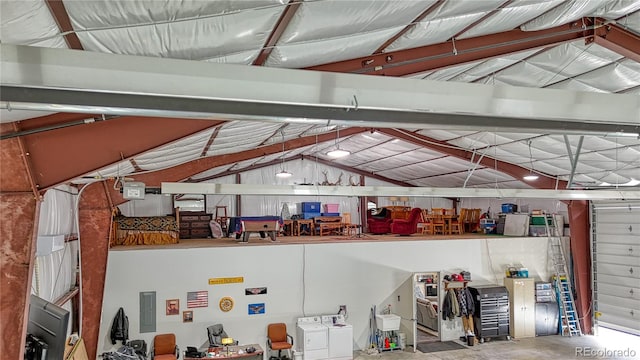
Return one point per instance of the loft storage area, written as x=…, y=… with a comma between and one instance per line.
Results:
x=311, y=180
x=342, y=218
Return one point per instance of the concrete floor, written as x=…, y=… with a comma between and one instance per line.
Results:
x=543, y=347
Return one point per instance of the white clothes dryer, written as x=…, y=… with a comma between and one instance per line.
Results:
x=340, y=337
x=312, y=338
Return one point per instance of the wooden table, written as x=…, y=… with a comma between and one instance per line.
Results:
x=245, y=225
x=328, y=224
x=301, y=222
x=221, y=352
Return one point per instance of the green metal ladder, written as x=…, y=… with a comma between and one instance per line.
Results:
x=569, y=324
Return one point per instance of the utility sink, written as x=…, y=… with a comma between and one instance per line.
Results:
x=388, y=322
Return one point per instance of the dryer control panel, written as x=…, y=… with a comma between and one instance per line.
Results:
x=337, y=320
x=309, y=320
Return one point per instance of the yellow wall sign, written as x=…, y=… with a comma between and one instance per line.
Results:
x=229, y=280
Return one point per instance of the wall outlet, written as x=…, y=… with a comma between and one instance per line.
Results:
x=343, y=310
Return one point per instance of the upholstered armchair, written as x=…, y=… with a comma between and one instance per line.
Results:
x=379, y=222
x=408, y=226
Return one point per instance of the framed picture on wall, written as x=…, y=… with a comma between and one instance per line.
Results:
x=173, y=307
x=187, y=316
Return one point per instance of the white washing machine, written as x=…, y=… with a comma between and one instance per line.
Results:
x=340, y=337
x=312, y=338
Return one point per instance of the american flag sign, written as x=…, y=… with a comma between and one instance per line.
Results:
x=197, y=299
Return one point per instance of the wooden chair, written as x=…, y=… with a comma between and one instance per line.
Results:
x=473, y=220
x=457, y=223
x=438, y=223
x=348, y=228
x=426, y=224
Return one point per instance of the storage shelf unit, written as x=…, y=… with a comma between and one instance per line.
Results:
x=195, y=225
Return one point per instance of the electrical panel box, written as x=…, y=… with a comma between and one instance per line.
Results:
x=49, y=243
x=133, y=190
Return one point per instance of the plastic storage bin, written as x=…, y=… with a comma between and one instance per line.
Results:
x=539, y=220
x=509, y=208
x=537, y=230
x=310, y=215
x=310, y=207
x=331, y=208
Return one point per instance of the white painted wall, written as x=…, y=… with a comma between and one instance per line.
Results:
x=302, y=280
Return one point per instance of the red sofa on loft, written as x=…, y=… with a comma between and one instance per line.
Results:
x=379, y=221
x=408, y=226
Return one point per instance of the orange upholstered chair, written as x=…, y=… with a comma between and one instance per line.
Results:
x=165, y=348
x=278, y=339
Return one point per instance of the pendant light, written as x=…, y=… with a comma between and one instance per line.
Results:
x=337, y=152
x=283, y=174
x=531, y=176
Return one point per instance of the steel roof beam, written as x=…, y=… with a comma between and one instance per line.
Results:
x=82, y=81
x=187, y=170
x=278, y=30
x=419, y=18
x=299, y=157
x=617, y=39
x=60, y=15
x=483, y=18
x=431, y=57
x=516, y=171
x=61, y=155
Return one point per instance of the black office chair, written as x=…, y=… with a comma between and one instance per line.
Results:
x=216, y=333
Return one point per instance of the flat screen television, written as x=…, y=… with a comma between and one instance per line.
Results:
x=48, y=323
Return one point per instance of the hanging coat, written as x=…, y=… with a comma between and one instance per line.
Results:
x=120, y=327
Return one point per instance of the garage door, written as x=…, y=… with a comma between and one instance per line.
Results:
x=616, y=264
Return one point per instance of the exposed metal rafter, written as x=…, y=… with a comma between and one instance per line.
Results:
x=516, y=171
x=300, y=157
x=425, y=58
x=135, y=165
x=362, y=173
x=59, y=13
x=618, y=39
x=419, y=18
x=483, y=18
x=186, y=170
x=61, y=155
x=213, y=136
x=276, y=33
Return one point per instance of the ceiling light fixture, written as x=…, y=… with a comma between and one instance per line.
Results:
x=283, y=174
x=531, y=176
x=337, y=152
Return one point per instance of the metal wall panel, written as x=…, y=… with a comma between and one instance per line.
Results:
x=147, y=311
